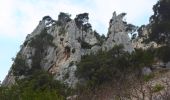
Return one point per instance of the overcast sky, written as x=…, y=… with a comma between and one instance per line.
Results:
x=19, y=17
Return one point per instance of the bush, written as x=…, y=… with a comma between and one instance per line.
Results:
x=160, y=22
x=163, y=53
x=85, y=45
x=131, y=28
x=148, y=77
x=142, y=58
x=63, y=18
x=47, y=18
x=40, y=42
x=99, y=38
x=20, y=66
x=116, y=64
x=38, y=86
x=103, y=66
x=82, y=21
x=157, y=88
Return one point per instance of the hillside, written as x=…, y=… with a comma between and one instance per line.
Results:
x=66, y=59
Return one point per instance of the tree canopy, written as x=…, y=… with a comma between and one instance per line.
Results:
x=160, y=22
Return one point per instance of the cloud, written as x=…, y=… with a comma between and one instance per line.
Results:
x=20, y=17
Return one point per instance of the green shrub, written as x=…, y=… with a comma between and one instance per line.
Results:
x=103, y=66
x=40, y=42
x=142, y=58
x=85, y=45
x=25, y=43
x=157, y=88
x=63, y=18
x=116, y=64
x=160, y=22
x=163, y=53
x=20, y=66
x=82, y=21
x=38, y=86
x=148, y=77
x=99, y=38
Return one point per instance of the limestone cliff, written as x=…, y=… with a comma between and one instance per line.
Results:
x=142, y=40
x=57, y=46
x=118, y=33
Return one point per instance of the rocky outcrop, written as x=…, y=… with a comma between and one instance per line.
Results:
x=141, y=40
x=62, y=43
x=9, y=79
x=118, y=34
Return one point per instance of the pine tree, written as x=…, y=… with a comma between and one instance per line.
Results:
x=160, y=22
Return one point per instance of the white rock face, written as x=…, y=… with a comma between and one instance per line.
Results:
x=139, y=42
x=60, y=59
x=9, y=79
x=146, y=71
x=168, y=65
x=117, y=34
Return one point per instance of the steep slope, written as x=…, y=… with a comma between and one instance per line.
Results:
x=57, y=46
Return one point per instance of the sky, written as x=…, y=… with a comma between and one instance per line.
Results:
x=20, y=17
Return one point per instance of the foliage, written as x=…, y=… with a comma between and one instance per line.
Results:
x=25, y=43
x=99, y=38
x=47, y=18
x=131, y=28
x=40, y=42
x=82, y=21
x=140, y=30
x=163, y=53
x=71, y=63
x=142, y=58
x=20, y=66
x=160, y=22
x=146, y=78
x=102, y=67
x=134, y=35
x=63, y=18
x=86, y=27
x=38, y=86
x=115, y=64
x=157, y=88
x=85, y=45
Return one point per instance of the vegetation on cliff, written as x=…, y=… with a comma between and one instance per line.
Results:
x=115, y=70
x=38, y=86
